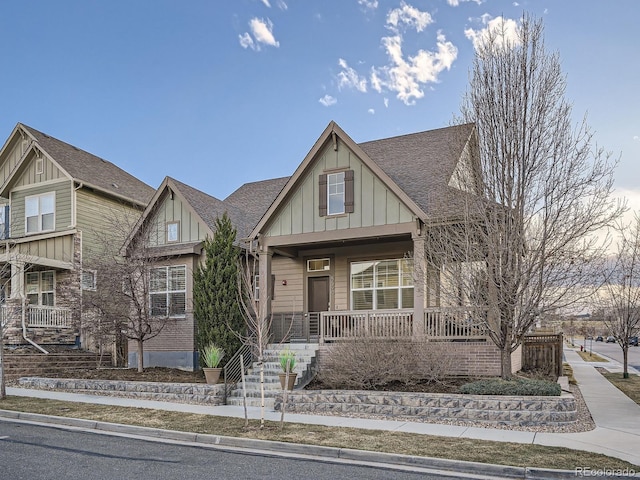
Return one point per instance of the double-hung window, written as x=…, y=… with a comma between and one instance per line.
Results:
x=382, y=284
x=40, y=212
x=40, y=287
x=168, y=291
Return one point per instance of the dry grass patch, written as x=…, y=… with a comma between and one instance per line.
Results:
x=372, y=440
x=629, y=386
x=591, y=357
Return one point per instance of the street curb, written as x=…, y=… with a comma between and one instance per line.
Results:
x=442, y=466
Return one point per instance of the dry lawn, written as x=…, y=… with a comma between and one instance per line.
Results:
x=382, y=441
x=590, y=357
x=629, y=386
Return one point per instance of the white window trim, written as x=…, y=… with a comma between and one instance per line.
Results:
x=334, y=176
x=83, y=284
x=167, y=236
x=374, y=287
x=40, y=290
x=39, y=166
x=39, y=215
x=168, y=292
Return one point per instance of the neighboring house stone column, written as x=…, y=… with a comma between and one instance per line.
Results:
x=420, y=278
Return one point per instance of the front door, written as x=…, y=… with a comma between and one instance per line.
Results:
x=318, y=294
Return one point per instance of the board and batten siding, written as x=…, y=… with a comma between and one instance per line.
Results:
x=97, y=215
x=30, y=176
x=58, y=248
x=63, y=217
x=12, y=155
x=174, y=210
x=374, y=203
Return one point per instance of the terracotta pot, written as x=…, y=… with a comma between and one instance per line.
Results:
x=292, y=380
x=212, y=374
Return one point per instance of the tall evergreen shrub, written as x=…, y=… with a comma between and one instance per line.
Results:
x=215, y=292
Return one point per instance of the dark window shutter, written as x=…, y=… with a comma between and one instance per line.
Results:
x=7, y=222
x=322, y=188
x=273, y=287
x=348, y=191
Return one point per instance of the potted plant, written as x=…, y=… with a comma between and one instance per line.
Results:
x=287, y=361
x=211, y=356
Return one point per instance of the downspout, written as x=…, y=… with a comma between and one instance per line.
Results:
x=24, y=325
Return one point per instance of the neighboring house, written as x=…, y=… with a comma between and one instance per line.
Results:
x=173, y=228
x=55, y=199
x=341, y=245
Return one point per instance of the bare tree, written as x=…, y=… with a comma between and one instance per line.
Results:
x=124, y=302
x=254, y=306
x=535, y=191
x=619, y=297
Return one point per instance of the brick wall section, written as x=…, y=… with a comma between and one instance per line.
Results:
x=468, y=359
x=491, y=409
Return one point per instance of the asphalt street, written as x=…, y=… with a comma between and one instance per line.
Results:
x=613, y=350
x=34, y=452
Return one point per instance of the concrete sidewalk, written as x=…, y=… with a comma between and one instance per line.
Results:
x=617, y=432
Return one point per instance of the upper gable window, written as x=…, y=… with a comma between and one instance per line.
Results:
x=4, y=222
x=336, y=193
x=173, y=232
x=39, y=166
x=40, y=212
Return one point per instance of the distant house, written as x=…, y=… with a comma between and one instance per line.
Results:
x=54, y=200
x=173, y=228
x=341, y=244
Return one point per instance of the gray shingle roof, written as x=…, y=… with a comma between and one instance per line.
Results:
x=421, y=164
x=209, y=208
x=255, y=198
x=88, y=168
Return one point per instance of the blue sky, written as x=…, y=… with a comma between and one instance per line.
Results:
x=219, y=93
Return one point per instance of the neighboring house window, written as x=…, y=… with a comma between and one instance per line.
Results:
x=382, y=284
x=168, y=291
x=336, y=193
x=88, y=280
x=40, y=212
x=40, y=288
x=4, y=221
x=318, y=265
x=39, y=166
x=173, y=232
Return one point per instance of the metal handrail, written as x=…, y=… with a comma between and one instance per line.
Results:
x=232, y=371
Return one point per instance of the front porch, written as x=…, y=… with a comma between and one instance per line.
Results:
x=453, y=324
x=42, y=324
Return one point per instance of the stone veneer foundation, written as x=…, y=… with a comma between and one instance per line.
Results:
x=493, y=409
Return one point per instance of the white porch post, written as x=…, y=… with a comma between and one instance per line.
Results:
x=17, y=279
x=420, y=278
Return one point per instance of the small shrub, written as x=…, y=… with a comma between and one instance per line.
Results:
x=212, y=355
x=518, y=387
x=287, y=356
x=366, y=364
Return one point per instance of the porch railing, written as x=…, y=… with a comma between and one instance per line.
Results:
x=455, y=323
x=374, y=324
x=440, y=324
x=39, y=316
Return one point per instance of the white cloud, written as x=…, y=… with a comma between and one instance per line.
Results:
x=349, y=78
x=266, y=3
x=455, y=3
x=504, y=30
x=328, y=100
x=262, y=31
x=282, y=5
x=636, y=138
x=409, y=16
x=371, y=111
x=369, y=4
x=386, y=102
x=246, y=41
x=407, y=77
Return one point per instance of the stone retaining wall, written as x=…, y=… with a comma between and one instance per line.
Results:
x=493, y=409
x=171, y=392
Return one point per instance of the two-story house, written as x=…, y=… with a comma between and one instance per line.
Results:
x=56, y=201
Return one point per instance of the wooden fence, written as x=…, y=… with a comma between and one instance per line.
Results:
x=542, y=352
